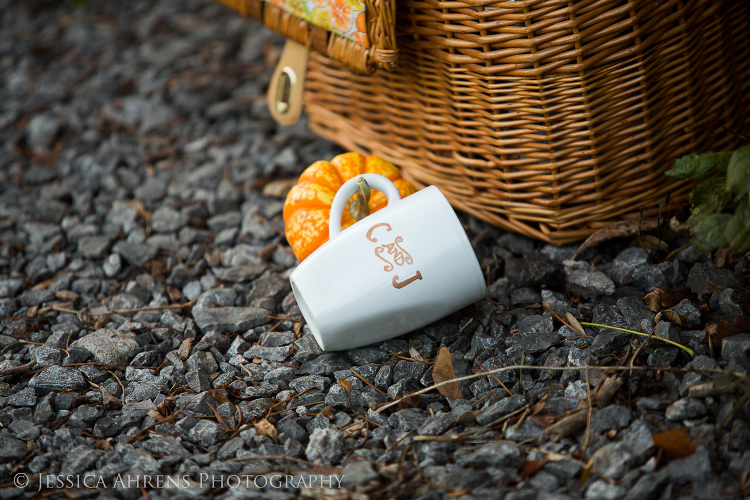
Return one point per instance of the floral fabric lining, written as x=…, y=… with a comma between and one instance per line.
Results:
x=343, y=17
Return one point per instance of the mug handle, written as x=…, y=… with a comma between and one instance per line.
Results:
x=376, y=181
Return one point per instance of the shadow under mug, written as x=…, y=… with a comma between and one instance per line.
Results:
x=397, y=270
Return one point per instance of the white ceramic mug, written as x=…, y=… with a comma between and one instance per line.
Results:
x=394, y=271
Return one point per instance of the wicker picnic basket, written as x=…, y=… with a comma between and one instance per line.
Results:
x=550, y=118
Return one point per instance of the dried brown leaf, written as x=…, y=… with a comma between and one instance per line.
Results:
x=617, y=230
x=109, y=400
x=443, y=371
x=175, y=295
x=184, y=351
x=672, y=316
x=573, y=322
x=67, y=296
x=531, y=467
x=156, y=415
x=345, y=384
x=544, y=421
x=650, y=241
x=102, y=322
x=279, y=188
x=104, y=444
x=726, y=329
x=587, y=472
x=415, y=355
x=653, y=300
x=219, y=396
x=670, y=298
x=675, y=442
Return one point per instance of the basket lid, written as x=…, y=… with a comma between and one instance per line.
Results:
x=359, y=34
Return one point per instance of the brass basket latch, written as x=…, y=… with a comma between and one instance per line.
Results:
x=286, y=91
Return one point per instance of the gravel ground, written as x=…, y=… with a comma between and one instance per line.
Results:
x=147, y=329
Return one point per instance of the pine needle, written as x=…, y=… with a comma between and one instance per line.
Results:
x=676, y=344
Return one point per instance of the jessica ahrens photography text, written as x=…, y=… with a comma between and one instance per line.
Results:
x=160, y=481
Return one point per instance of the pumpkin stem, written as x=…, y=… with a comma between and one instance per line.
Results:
x=358, y=207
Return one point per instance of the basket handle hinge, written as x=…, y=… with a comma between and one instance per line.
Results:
x=286, y=91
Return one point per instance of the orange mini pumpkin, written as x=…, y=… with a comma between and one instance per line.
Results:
x=307, y=207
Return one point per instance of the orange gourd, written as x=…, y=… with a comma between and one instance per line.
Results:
x=307, y=207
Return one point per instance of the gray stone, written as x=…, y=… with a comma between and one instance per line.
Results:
x=136, y=254
x=41, y=132
x=358, y=473
x=276, y=339
x=203, y=361
x=94, y=247
x=689, y=313
x=634, y=311
x=277, y=354
x=366, y=355
x=198, y=380
x=613, y=459
x=9, y=287
x=685, y=470
x=538, y=270
x=526, y=431
x=326, y=446
x=638, y=439
x=196, y=404
x=58, y=378
x=685, y=408
x=402, y=387
x=167, y=220
x=519, y=245
x=704, y=272
x=492, y=454
x=525, y=297
x=214, y=338
x=647, y=487
x=25, y=397
x=233, y=319
x=301, y=384
x=585, y=281
x=736, y=347
x=500, y=408
x=306, y=348
x=409, y=419
x=325, y=364
x=207, y=432
x=437, y=424
x=535, y=335
x=602, y=490
x=729, y=302
x=108, y=346
x=11, y=449
x=626, y=263
x=610, y=417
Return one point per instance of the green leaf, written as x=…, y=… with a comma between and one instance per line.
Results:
x=741, y=242
x=738, y=221
x=738, y=172
x=711, y=188
x=698, y=167
x=722, y=378
x=708, y=234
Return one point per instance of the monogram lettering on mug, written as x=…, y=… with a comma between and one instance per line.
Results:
x=395, y=254
x=414, y=278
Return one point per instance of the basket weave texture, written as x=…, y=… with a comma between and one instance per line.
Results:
x=546, y=117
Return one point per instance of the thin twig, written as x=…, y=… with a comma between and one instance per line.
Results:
x=588, y=417
x=18, y=369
